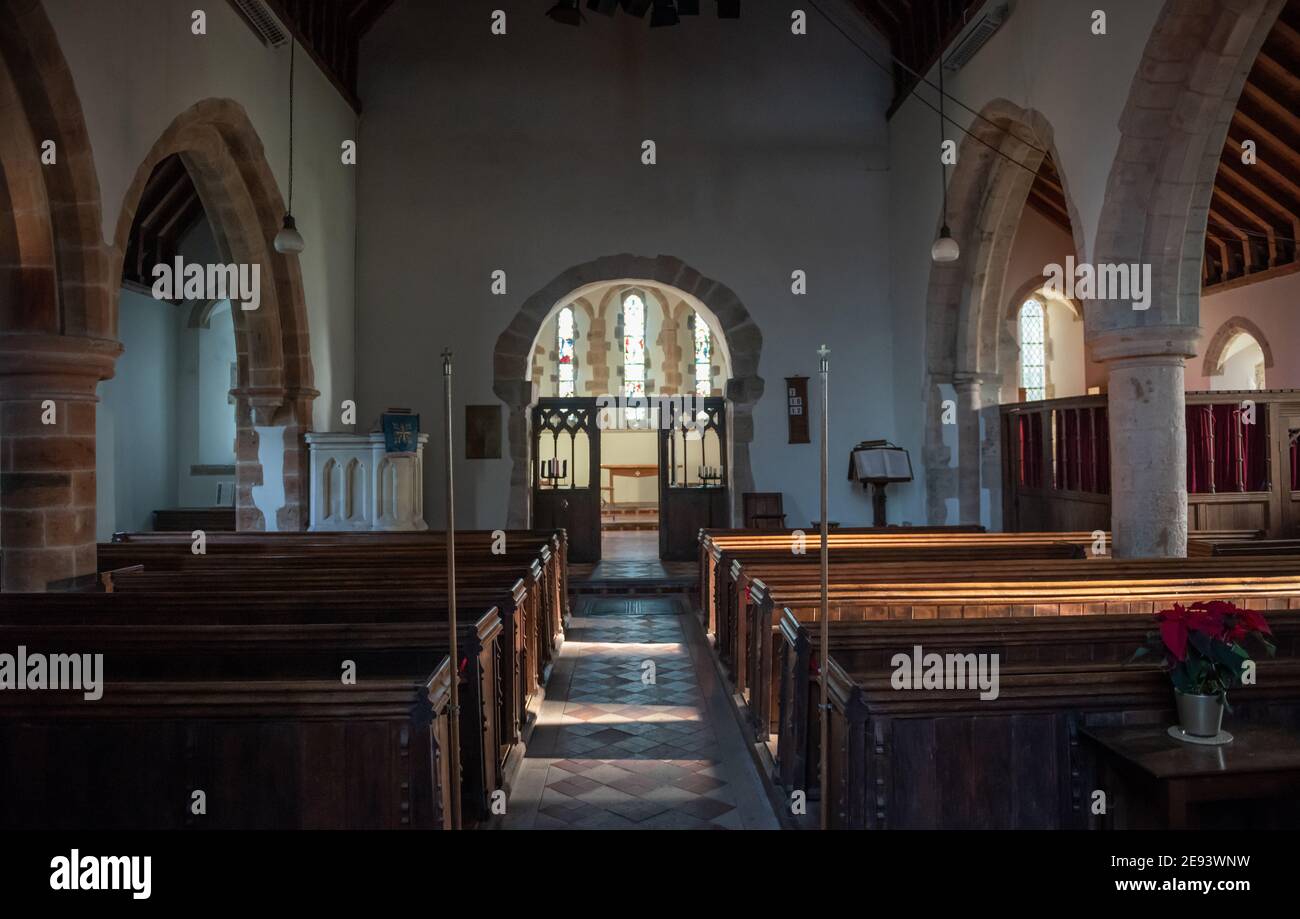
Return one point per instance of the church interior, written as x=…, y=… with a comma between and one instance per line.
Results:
x=423, y=415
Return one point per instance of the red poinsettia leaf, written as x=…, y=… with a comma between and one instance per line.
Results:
x=1173, y=632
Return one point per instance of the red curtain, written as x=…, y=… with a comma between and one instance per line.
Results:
x=1227, y=449
x=1087, y=444
x=1200, y=449
x=1224, y=453
x=1081, y=450
x=1029, y=432
x=1103, y=451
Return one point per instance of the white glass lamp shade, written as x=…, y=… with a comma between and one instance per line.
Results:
x=945, y=248
x=289, y=240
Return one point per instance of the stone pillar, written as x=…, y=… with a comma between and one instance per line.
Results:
x=519, y=396
x=47, y=456
x=968, y=447
x=1148, y=438
x=990, y=413
x=597, y=357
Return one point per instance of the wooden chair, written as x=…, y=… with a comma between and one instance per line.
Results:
x=764, y=510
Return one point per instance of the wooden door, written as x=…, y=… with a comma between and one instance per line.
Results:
x=693, y=474
x=566, y=473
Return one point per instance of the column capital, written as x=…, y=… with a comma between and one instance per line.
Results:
x=1146, y=344
x=60, y=367
x=973, y=379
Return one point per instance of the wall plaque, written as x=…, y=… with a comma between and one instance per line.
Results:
x=796, y=404
x=482, y=432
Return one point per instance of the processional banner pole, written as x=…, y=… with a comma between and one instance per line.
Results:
x=824, y=707
x=453, y=767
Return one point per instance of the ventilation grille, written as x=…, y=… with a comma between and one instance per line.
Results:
x=262, y=21
x=975, y=38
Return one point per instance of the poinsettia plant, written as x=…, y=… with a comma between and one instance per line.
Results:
x=1203, y=646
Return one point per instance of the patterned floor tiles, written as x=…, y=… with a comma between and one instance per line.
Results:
x=635, y=733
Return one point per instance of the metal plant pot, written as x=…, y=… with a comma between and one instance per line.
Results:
x=1199, y=715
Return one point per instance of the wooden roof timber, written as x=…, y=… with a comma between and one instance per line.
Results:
x=1261, y=197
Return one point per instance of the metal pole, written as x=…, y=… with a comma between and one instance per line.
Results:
x=825, y=612
x=454, y=765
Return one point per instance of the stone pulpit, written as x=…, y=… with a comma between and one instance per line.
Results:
x=356, y=485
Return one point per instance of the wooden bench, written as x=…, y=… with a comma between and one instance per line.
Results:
x=525, y=645
x=734, y=630
x=1059, y=588
x=266, y=754
x=537, y=556
x=269, y=637
x=870, y=647
x=948, y=759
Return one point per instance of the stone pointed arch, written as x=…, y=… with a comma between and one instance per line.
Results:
x=1172, y=133
x=1212, y=365
x=56, y=338
x=1155, y=213
x=511, y=368
x=965, y=338
x=219, y=146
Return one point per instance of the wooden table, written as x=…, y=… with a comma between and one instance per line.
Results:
x=626, y=470
x=1150, y=779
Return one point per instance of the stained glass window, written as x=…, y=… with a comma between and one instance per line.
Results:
x=1033, y=351
x=567, y=380
x=703, y=358
x=634, y=353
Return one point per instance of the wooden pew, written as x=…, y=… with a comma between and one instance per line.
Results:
x=541, y=556
x=869, y=647
x=1055, y=588
x=522, y=664
x=718, y=549
x=714, y=542
x=735, y=629
x=269, y=637
x=267, y=754
x=942, y=758
x=1237, y=548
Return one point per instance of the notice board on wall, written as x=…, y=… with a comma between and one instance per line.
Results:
x=796, y=407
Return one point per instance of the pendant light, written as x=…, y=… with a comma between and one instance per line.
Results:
x=289, y=240
x=945, y=248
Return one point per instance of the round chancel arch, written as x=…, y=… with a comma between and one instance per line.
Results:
x=666, y=280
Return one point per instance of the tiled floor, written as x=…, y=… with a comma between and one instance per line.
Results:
x=630, y=555
x=635, y=732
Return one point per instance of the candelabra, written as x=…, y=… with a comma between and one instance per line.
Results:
x=554, y=471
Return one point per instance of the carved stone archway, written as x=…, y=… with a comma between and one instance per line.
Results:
x=966, y=334
x=224, y=156
x=1158, y=197
x=56, y=334
x=513, y=355
x=1237, y=325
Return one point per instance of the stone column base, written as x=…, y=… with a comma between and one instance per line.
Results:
x=47, y=464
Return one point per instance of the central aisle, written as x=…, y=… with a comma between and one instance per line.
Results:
x=635, y=732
